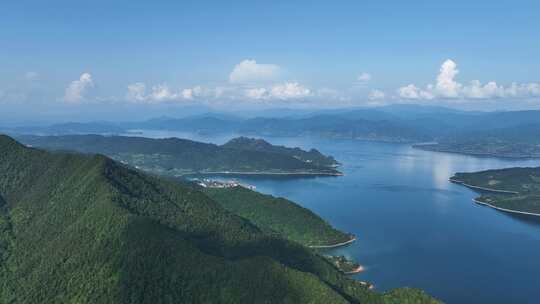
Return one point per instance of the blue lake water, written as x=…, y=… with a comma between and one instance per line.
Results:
x=415, y=228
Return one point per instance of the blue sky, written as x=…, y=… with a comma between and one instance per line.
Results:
x=62, y=57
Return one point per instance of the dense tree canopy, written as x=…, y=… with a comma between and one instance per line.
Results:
x=86, y=229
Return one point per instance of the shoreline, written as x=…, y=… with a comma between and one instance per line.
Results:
x=476, y=200
x=504, y=209
x=334, y=245
x=481, y=188
x=266, y=173
x=358, y=269
x=367, y=284
x=478, y=154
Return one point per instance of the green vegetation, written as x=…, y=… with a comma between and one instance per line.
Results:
x=516, y=189
x=278, y=215
x=312, y=156
x=86, y=229
x=175, y=157
x=519, y=141
x=495, y=148
x=344, y=264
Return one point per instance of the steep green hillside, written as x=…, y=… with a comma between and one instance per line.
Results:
x=85, y=229
x=513, y=189
x=278, y=215
x=173, y=156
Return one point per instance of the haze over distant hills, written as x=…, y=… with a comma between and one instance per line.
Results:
x=482, y=133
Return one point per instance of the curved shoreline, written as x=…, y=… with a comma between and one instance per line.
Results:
x=358, y=269
x=478, y=154
x=476, y=200
x=504, y=209
x=481, y=188
x=334, y=245
x=267, y=173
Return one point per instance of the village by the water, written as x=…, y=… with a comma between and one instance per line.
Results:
x=211, y=183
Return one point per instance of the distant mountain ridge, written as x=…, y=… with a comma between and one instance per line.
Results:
x=455, y=130
x=512, y=141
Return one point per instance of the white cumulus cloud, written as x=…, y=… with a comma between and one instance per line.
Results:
x=376, y=95
x=256, y=93
x=364, y=77
x=249, y=71
x=290, y=90
x=191, y=93
x=284, y=91
x=77, y=89
x=162, y=92
x=447, y=87
x=136, y=92
x=413, y=92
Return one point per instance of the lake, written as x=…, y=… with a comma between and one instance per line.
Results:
x=415, y=228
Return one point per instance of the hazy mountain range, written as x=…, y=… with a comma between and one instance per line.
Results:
x=395, y=123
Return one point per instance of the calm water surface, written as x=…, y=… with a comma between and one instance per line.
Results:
x=414, y=228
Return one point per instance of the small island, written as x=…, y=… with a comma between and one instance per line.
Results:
x=515, y=190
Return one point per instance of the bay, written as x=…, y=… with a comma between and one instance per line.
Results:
x=414, y=228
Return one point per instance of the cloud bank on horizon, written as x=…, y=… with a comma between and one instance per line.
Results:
x=56, y=58
x=251, y=82
x=446, y=87
x=248, y=80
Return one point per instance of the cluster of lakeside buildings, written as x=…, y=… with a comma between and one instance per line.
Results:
x=208, y=183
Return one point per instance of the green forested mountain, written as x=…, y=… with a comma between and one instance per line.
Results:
x=173, y=156
x=513, y=189
x=278, y=215
x=86, y=229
